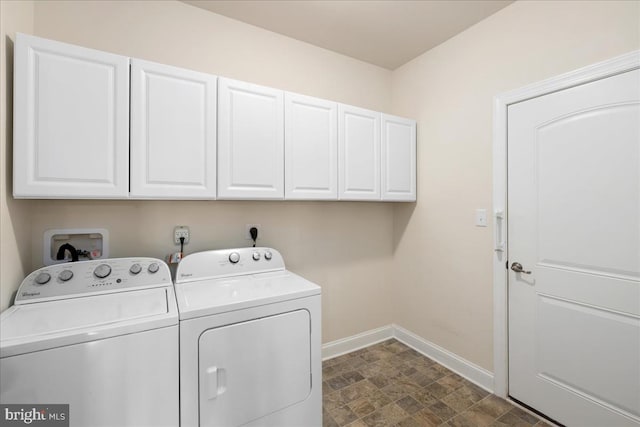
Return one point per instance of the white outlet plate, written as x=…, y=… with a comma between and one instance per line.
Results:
x=247, y=234
x=481, y=217
x=180, y=231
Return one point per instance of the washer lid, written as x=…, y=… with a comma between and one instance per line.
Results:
x=208, y=297
x=33, y=327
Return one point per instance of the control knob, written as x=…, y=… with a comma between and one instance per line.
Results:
x=102, y=271
x=256, y=256
x=43, y=278
x=234, y=257
x=65, y=275
x=135, y=268
x=153, y=267
x=268, y=255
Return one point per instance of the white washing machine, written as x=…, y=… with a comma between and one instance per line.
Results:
x=249, y=341
x=101, y=336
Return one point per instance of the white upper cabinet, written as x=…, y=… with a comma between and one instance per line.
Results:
x=250, y=141
x=398, y=157
x=358, y=153
x=311, y=144
x=191, y=135
x=173, y=132
x=71, y=121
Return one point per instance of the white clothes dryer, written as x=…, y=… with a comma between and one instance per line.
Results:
x=101, y=336
x=249, y=341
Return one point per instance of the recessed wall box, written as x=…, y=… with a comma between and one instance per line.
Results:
x=89, y=243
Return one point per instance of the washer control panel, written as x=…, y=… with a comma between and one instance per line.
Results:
x=228, y=262
x=83, y=278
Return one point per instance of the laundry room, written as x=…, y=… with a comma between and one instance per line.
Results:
x=418, y=276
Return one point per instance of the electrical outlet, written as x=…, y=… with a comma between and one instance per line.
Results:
x=247, y=234
x=180, y=231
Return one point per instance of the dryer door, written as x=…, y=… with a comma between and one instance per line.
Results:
x=251, y=369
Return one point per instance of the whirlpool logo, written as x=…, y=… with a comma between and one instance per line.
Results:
x=30, y=294
x=35, y=415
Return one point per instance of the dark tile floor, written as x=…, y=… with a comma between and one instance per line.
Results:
x=390, y=384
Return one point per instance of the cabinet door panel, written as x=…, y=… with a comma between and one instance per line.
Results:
x=398, y=157
x=311, y=143
x=359, y=153
x=173, y=132
x=71, y=121
x=250, y=141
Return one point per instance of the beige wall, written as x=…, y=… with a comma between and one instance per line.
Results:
x=178, y=34
x=345, y=247
x=15, y=233
x=444, y=263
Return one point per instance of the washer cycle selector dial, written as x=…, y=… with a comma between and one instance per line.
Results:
x=234, y=257
x=65, y=275
x=268, y=255
x=256, y=256
x=153, y=267
x=135, y=268
x=43, y=278
x=102, y=271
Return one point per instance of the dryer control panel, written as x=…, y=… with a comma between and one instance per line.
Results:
x=83, y=278
x=228, y=262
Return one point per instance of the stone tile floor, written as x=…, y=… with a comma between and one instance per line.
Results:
x=390, y=384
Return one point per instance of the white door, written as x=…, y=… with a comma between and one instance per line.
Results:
x=253, y=369
x=250, y=141
x=358, y=153
x=71, y=121
x=173, y=132
x=311, y=147
x=574, y=223
x=398, y=158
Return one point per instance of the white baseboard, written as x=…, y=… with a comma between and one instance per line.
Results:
x=356, y=342
x=457, y=364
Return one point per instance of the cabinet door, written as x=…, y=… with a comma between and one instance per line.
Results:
x=359, y=153
x=250, y=141
x=71, y=121
x=398, y=158
x=311, y=144
x=173, y=132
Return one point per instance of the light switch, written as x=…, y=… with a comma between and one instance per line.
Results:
x=481, y=217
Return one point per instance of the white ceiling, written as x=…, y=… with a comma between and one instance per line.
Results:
x=387, y=33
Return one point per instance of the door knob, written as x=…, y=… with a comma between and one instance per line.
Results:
x=517, y=267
